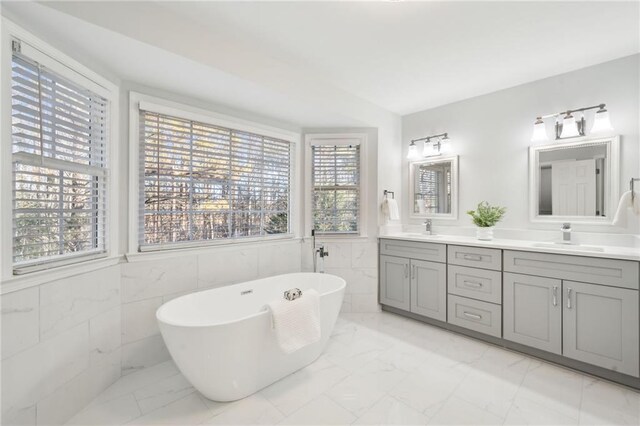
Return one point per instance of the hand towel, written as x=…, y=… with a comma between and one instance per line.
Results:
x=384, y=209
x=296, y=323
x=392, y=208
x=620, y=219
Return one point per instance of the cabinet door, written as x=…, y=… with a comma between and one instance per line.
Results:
x=394, y=282
x=532, y=309
x=429, y=289
x=600, y=326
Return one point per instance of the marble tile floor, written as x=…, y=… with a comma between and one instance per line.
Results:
x=382, y=369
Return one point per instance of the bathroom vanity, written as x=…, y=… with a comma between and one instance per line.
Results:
x=576, y=306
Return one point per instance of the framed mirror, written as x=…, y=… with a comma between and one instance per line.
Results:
x=434, y=188
x=575, y=181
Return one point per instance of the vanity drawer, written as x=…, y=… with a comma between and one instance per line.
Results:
x=611, y=272
x=475, y=315
x=475, y=257
x=414, y=250
x=475, y=283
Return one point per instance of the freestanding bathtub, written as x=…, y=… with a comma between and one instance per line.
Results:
x=222, y=341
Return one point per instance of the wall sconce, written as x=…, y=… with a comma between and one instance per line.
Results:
x=433, y=145
x=569, y=126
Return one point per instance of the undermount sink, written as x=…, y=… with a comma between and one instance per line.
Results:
x=576, y=247
x=417, y=234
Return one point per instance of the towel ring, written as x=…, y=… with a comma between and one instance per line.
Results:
x=386, y=193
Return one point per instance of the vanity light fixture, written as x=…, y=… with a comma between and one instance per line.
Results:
x=433, y=145
x=413, y=152
x=601, y=122
x=539, y=131
x=568, y=125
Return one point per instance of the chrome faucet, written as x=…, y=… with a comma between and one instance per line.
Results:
x=566, y=233
x=427, y=225
x=322, y=253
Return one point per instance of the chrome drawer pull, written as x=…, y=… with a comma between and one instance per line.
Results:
x=555, y=295
x=470, y=315
x=569, y=290
x=413, y=271
x=406, y=271
x=475, y=284
x=474, y=257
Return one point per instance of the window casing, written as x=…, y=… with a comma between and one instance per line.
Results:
x=200, y=182
x=59, y=154
x=335, y=185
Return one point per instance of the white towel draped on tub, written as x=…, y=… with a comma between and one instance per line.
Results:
x=296, y=322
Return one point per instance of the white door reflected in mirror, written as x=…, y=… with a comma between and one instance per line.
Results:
x=574, y=181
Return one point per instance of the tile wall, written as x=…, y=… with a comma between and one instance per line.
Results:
x=60, y=346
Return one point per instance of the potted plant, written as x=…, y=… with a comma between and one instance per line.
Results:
x=485, y=216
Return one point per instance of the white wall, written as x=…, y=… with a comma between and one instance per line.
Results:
x=492, y=133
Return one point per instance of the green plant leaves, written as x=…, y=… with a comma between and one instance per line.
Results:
x=486, y=215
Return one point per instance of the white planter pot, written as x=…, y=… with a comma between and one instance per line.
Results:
x=485, y=234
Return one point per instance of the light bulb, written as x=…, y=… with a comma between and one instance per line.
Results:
x=601, y=122
x=539, y=131
x=445, y=144
x=413, y=154
x=429, y=148
x=569, y=127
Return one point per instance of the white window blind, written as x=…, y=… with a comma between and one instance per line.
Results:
x=203, y=182
x=336, y=188
x=59, y=133
x=434, y=188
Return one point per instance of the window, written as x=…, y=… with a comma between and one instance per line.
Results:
x=59, y=134
x=335, y=177
x=201, y=182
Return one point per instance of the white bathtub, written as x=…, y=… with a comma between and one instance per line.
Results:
x=222, y=341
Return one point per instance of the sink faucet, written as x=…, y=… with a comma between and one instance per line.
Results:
x=427, y=225
x=566, y=232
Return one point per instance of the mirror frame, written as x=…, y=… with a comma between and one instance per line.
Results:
x=612, y=176
x=453, y=159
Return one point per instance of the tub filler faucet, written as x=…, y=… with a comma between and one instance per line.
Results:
x=318, y=252
x=321, y=252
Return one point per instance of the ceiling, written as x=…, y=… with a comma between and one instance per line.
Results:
x=410, y=56
x=402, y=57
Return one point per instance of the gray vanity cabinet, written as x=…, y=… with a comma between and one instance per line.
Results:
x=532, y=309
x=429, y=289
x=413, y=277
x=395, y=282
x=600, y=326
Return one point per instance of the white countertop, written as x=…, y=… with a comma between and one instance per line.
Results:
x=609, y=252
